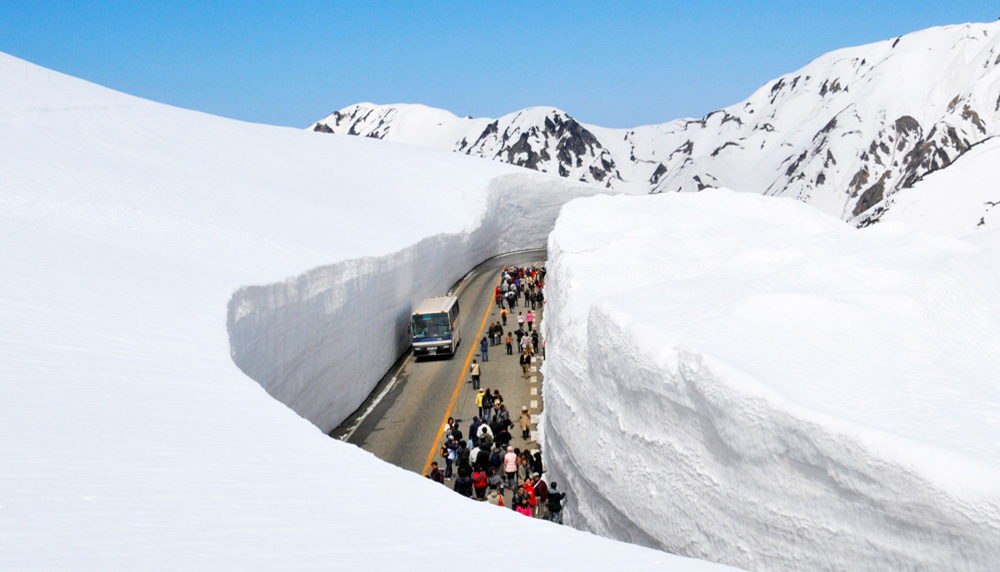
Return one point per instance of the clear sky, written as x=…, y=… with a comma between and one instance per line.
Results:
x=615, y=64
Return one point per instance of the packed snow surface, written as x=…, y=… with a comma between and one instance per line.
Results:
x=130, y=438
x=746, y=380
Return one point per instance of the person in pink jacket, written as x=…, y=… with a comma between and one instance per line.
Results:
x=510, y=466
x=530, y=318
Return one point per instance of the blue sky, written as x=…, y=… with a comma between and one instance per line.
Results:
x=616, y=64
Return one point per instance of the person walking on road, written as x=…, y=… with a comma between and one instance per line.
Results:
x=520, y=322
x=542, y=496
x=503, y=316
x=525, y=423
x=435, y=475
x=479, y=404
x=487, y=405
x=510, y=467
x=452, y=447
x=510, y=344
x=555, y=499
x=530, y=320
x=474, y=428
x=484, y=349
x=474, y=368
x=525, y=364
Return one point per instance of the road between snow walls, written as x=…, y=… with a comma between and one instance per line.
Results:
x=321, y=341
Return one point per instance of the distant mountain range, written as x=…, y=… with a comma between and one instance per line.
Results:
x=844, y=133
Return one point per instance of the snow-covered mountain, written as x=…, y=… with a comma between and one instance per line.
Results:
x=844, y=133
x=541, y=138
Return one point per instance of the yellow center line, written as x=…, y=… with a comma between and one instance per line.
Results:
x=458, y=386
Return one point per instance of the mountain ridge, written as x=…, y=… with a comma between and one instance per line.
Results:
x=844, y=133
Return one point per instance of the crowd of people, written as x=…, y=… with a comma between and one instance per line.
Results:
x=486, y=464
x=483, y=467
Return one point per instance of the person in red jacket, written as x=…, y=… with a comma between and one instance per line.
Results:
x=529, y=488
x=479, y=482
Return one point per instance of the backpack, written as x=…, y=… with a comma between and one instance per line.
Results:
x=444, y=451
x=496, y=459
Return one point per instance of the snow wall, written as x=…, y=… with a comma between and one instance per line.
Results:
x=320, y=342
x=744, y=380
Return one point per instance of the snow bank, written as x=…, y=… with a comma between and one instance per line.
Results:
x=129, y=438
x=746, y=380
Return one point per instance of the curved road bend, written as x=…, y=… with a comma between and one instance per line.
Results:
x=403, y=425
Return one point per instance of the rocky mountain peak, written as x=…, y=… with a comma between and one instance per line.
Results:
x=845, y=133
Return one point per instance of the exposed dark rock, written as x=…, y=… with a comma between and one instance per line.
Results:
x=870, y=197
x=735, y=118
x=322, y=128
x=776, y=90
x=859, y=180
x=970, y=114
x=795, y=164
x=659, y=172
x=701, y=185
x=490, y=129
x=723, y=146
x=827, y=87
x=686, y=149
x=830, y=126
x=521, y=153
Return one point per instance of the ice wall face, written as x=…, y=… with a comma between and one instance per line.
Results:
x=320, y=342
x=743, y=380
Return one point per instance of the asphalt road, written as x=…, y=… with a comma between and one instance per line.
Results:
x=401, y=420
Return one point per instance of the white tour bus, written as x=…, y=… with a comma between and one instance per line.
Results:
x=434, y=326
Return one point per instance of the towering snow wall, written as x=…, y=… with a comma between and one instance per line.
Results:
x=745, y=380
x=321, y=341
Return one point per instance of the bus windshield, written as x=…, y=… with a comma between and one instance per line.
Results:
x=431, y=326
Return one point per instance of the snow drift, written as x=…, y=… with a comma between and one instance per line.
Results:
x=130, y=439
x=746, y=380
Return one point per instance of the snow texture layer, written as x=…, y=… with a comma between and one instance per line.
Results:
x=745, y=380
x=129, y=438
x=845, y=133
